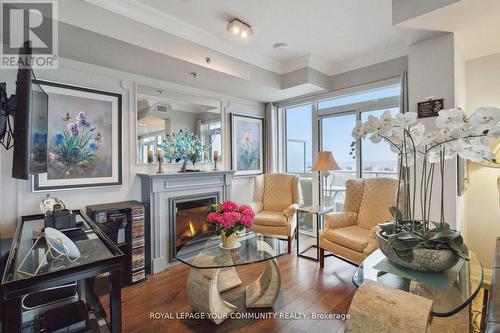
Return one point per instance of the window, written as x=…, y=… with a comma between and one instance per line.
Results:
x=149, y=143
x=298, y=153
x=337, y=117
x=377, y=160
x=298, y=127
x=368, y=95
x=336, y=137
x=210, y=135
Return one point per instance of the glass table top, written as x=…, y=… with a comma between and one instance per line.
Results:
x=320, y=210
x=205, y=252
x=450, y=291
x=33, y=258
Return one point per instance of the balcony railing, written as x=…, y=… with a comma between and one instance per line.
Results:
x=334, y=192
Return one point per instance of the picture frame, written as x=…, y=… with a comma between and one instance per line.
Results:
x=247, y=144
x=84, y=138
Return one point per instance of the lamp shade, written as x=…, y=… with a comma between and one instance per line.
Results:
x=325, y=161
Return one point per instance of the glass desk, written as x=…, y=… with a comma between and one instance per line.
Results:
x=97, y=255
x=450, y=291
x=212, y=272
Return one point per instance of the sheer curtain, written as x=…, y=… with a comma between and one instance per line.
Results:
x=271, y=138
x=404, y=102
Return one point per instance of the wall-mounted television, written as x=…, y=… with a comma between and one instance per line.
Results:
x=30, y=124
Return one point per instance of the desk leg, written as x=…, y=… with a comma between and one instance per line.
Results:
x=298, y=231
x=11, y=317
x=318, y=226
x=115, y=301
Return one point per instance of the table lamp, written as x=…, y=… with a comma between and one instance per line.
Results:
x=324, y=162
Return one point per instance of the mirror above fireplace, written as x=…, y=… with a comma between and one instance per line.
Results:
x=162, y=113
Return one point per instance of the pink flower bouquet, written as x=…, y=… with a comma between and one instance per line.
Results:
x=230, y=218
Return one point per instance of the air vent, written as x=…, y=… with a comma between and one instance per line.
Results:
x=163, y=108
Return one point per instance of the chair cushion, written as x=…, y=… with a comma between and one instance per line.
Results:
x=352, y=237
x=274, y=219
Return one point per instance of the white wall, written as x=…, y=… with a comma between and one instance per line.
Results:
x=16, y=197
x=403, y=10
x=460, y=102
x=431, y=73
x=482, y=196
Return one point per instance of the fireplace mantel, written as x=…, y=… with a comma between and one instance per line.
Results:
x=159, y=191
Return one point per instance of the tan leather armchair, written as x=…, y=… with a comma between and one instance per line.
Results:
x=275, y=201
x=351, y=234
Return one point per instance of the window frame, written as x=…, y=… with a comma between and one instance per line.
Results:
x=284, y=167
x=319, y=114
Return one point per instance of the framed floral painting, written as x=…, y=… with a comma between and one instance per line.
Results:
x=247, y=144
x=84, y=138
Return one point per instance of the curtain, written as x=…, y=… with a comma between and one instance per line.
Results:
x=404, y=102
x=271, y=138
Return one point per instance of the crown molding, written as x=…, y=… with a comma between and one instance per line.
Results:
x=135, y=10
x=375, y=57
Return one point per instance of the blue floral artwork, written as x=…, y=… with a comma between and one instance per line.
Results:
x=84, y=140
x=247, y=144
x=39, y=127
x=79, y=138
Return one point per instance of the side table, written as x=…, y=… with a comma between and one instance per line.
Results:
x=319, y=212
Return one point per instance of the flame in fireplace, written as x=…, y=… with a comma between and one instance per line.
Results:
x=192, y=231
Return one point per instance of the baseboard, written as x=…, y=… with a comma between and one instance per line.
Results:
x=158, y=265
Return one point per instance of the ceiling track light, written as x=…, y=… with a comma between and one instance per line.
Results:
x=240, y=28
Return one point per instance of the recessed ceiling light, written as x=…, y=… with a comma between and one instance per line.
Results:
x=240, y=28
x=277, y=46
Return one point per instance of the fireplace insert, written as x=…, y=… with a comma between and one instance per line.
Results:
x=189, y=217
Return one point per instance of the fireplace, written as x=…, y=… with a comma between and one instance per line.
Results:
x=189, y=219
x=160, y=191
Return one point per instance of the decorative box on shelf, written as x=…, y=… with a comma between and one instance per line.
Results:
x=126, y=224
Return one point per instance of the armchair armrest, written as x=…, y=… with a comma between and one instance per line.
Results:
x=372, y=240
x=256, y=206
x=291, y=210
x=340, y=219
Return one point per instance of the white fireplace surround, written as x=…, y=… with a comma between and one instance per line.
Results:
x=158, y=191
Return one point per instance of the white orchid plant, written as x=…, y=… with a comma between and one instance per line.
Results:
x=457, y=134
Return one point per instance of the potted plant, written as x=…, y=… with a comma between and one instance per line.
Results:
x=229, y=219
x=412, y=239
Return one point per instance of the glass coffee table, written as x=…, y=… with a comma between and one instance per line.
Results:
x=450, y=291
x=213, y=272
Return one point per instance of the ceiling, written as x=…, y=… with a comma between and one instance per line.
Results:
x=150, y=121
x=332, y=44
x=147, y=97
x=331, y=36
x=475, y=24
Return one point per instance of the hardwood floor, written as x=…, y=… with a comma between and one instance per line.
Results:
x=304, y=289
